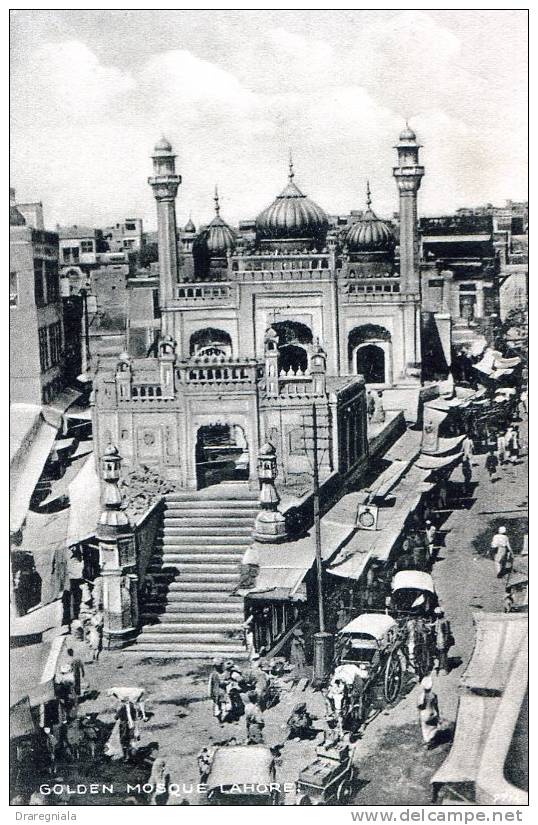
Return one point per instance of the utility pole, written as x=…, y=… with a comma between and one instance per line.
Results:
x=322, y=640
x=317, y=521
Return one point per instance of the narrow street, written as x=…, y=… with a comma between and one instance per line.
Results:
x=393, y=767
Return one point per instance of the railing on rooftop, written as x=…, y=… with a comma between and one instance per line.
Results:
x=219, y=370
x=214, y=292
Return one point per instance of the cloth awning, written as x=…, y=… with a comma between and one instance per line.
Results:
x=367, y=545
x=81, y=413
x=437, y=462
x=85, y=504
x=499, y=637
x=63, y=400
x=25, y=472
x=37, y=621
x=476, y=715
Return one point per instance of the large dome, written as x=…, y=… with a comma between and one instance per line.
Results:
x=219, y=238
x=370, y=234
x=292, y=215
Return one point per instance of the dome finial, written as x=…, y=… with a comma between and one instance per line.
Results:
x=290, y=166
x=368, y=195
x=216, y=199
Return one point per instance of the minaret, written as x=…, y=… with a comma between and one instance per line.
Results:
x=165, y=184
x=408, y=176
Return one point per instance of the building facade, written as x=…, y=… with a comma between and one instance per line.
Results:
x=260, y=323
x=37, y=371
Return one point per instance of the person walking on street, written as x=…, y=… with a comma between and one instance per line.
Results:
x=491, y=465
x=443, y=639
x=467, y=472
x=216, y=687
x=254, y=720
x=501, y=448
x=297, y=655
x=468, y=449
x=516, y=445
x=503, y=554
x=78, y=670
x=430, y=534
x=428, y=713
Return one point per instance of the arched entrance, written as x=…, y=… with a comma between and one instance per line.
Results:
x=369, y=353
x=294, y=343
x=210, y=342
x=222, y=454
x=370, y=363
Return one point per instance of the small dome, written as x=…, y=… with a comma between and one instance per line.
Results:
x=370, y=234
x=292, y=215
x=408, y=134
x=189, y=226
x=218, y=238
x=163, y=145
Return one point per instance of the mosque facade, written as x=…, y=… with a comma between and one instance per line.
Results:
x=258, y=325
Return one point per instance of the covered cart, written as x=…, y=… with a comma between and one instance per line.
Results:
x=368, y=663
x=243, y=775
x=413, y=601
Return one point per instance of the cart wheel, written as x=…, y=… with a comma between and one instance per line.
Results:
x=424, y=660
x=305, y=800
x=343, y=794
x=393, y=678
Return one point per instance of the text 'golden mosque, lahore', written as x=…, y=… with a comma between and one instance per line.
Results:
x=261, y=325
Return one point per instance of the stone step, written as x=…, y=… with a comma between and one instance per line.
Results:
x=160, y=634
x=168, y=559
x=184, y=650
x=218, y=568
x=205, y=530
x=208, y=538
x=184, y=620
x=242, y=521
x=232, y=492
x=199, y=600
x=198, y=613
x=174, y=624
x=223, y=507
x=198, y=585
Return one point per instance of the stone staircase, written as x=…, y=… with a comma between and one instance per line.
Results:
x=196, y=569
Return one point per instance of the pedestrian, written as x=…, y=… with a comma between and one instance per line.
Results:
x=204, y=760
x=516, y=444
x=421, y=556
x=467, y=472
x=51, y=745
x=159, y=780
x=443, y=639
x=254, y=720
x=67, y=695
x=78, y=670
x=248, y=636
x=297, y=654
x=468, y=448
x=428, y=712
x=491, y=465
x=75, y=567
x=430, y=534
x=216, y=687
x=503, y=554
x=523, y=402
x=501, y=448
x=94, y=635
x=128, y=730
x=300, y=723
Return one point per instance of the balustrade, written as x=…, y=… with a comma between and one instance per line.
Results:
x=203, y=293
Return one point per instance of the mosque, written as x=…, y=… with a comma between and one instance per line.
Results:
x=261, y=323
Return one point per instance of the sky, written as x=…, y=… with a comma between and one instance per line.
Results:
x=234, y=91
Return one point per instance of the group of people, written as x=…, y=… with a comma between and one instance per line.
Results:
x=419, y=548
x=503, y=449
x=374, y=407
x=236, y=693
x=124, y=738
